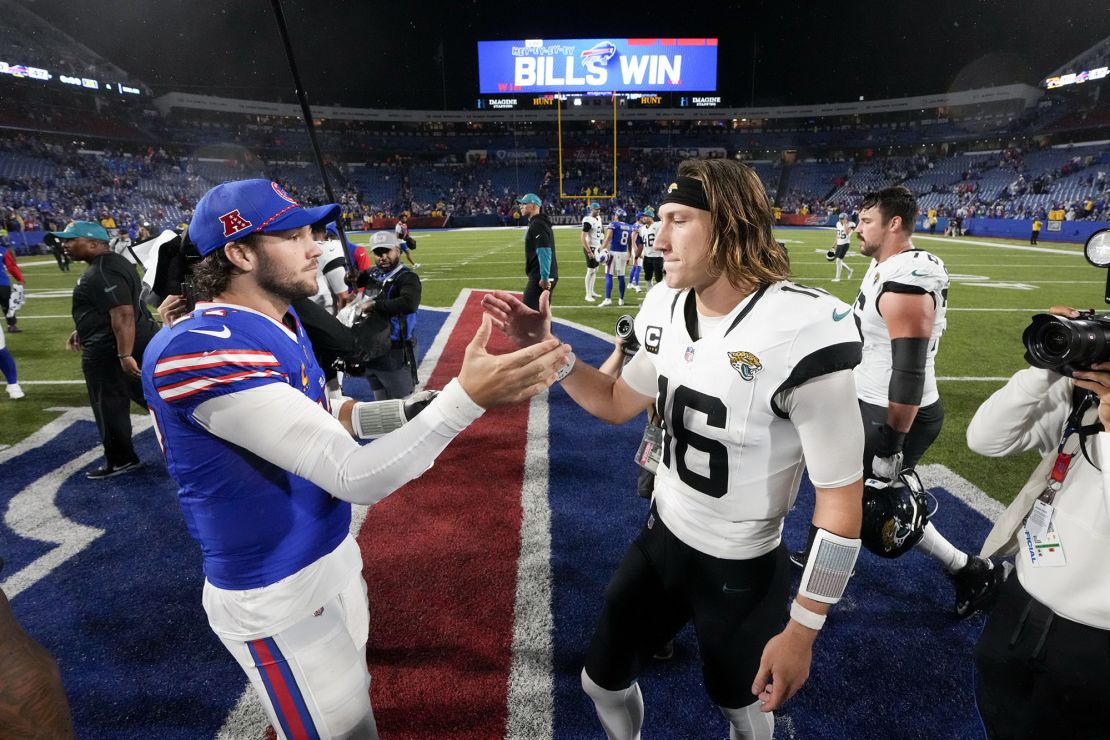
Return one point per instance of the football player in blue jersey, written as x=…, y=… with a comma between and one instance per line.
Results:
x=268, y=467
x=619, y=240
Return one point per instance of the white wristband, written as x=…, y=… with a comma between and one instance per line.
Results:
x=564, y=371
x=805, y=617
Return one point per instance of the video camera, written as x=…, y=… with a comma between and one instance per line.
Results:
x=626, y=330
x=1065, y=345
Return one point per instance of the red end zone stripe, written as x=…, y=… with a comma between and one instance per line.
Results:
x=441, y=565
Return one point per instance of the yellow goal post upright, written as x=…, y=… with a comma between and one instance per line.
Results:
x=559, y=127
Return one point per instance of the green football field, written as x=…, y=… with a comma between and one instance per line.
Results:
x=996, y=286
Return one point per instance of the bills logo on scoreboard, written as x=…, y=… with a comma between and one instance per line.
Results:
x=597, y=65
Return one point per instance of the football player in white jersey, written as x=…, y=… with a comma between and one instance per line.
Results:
x=645, y=234
x=843, y=241
x=653, y=259
x=752, y=376
x=592, y=236
x=901, y=311
x=331, y=271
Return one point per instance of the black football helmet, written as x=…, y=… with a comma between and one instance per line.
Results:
x=830, y=255
x=894, y=514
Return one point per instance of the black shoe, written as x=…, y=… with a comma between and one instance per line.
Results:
x=109, y=471
x=664, y=651
x=13, y=329
x=799, y=558
x=977, y=583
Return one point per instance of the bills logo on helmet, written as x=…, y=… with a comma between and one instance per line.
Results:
x=234, y=222
x=745, y=363
x=282, y=194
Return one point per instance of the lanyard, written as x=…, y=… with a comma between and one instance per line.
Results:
x=1060, y=468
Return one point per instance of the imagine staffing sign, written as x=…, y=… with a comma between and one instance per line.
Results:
x=597, y=65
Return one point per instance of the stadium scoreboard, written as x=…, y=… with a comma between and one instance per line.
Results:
x=658, y=65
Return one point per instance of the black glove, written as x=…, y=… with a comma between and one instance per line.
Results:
x=887, y=461
x=417, y=402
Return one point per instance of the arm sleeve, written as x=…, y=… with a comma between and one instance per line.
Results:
x=826, y=414
x=543, y=254
x=335, y=267
x=1028, y=413
x=287, y=429
x=12, y=267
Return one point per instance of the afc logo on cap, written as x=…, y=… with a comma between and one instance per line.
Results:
x=234, y=222
x=652, y=337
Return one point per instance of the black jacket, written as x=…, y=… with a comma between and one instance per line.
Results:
x=539, y=235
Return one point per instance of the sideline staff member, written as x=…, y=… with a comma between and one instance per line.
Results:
x=540, y=263
x=394, y=375
x=113, y=329
x=1044, y=656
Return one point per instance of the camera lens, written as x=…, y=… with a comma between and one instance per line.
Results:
x=1064, y=345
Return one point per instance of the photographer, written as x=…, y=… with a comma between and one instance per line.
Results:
x=1043, y=656
x=394, y=375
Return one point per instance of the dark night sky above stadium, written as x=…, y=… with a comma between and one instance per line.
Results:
x=388, y=54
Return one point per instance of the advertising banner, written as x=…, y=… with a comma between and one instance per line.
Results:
x=597, y=65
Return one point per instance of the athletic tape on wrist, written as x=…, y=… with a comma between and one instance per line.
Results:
x=375, y=418
x=828, y=567
x=564, y=371
x=805, y=617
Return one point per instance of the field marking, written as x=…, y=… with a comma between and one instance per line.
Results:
x=973, y=378
x=51, y=382
x=531, y=695
x=1015, y=247
x=33, y=512
x=941, y=476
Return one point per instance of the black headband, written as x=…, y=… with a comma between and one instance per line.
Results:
x=687, y=191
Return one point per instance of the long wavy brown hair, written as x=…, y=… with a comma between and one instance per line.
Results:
x=742, y=243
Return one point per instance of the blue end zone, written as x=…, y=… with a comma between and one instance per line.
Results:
x=892, y=661
x=123, y=617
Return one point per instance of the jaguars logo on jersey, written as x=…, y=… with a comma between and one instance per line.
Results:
x=745, y=363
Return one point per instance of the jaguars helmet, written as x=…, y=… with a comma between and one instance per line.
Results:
x=843, y=217
x=830, y=255
x=894, y=514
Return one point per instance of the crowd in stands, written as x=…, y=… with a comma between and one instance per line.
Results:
x=47, y=180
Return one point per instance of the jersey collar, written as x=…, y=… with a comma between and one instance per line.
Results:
x=207, y=306
x=690, y=310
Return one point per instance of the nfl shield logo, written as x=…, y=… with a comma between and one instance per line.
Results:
x=689, y=356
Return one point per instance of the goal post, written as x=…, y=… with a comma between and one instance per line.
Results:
x=559, y=128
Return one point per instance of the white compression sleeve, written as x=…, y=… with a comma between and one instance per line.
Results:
x=286, y=428
x=826, y=414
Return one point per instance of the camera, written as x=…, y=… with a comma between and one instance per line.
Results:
x=626, y=330
x=1066, y=345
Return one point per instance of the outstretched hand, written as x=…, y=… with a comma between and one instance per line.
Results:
x=523, y=325
x=493, y=380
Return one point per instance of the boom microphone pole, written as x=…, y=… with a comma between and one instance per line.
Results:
x=306, y=112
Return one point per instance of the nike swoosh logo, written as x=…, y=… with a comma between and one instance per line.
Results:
x=915, y=273
x=109, y=289
x=726, y=589
x=222, y=334
x=837, y=316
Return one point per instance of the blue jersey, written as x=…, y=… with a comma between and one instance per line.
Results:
x=4, y=279
x=256, y=523
x=624, y=236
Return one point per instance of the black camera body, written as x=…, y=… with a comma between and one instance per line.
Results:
x=1065, y=345
x=626, y=330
